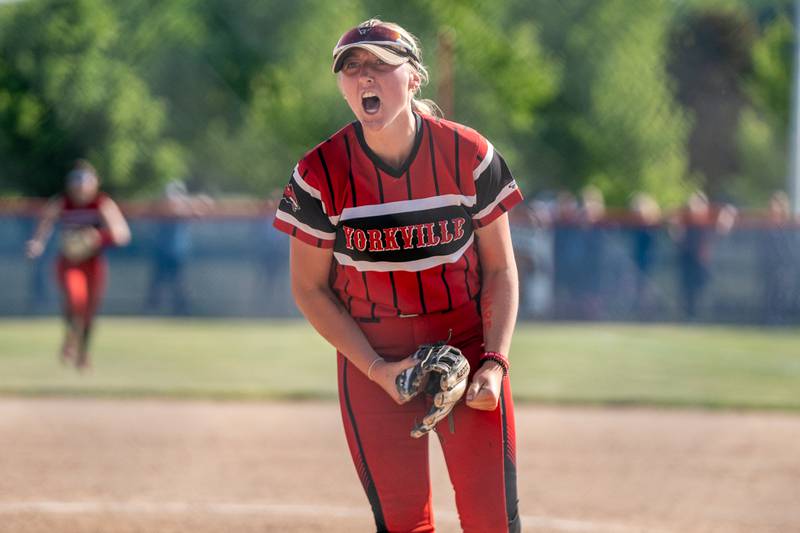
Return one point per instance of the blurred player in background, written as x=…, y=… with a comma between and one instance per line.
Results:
x=647, y=222
x=90, y=221
x=589, y=283
x=694, y=229
x=401, y=238
x=779, y=256
x=173, y=247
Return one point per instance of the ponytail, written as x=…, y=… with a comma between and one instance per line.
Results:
x=427, y=106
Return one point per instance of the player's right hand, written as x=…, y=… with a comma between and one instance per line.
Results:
x=483, y=392
x=385, y=373
x=34, y=248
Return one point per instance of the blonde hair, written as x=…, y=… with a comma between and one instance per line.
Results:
x=422, y=105
x=646, y=207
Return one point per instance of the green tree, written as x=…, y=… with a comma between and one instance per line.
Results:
x=739, y=137
x=65, y=93
x=289, y=102
x=709, y=58
x=615, y=122
x=231, y=94
x=504, y=78
x=762, y=135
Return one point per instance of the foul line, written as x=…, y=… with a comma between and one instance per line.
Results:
x=266, y=509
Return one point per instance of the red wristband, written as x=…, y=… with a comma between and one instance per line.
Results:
x=498, y=358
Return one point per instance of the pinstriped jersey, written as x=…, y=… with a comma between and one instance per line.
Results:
x=403, y=238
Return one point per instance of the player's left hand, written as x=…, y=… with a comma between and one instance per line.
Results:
x=483, y=392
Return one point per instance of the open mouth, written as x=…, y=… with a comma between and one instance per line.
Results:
x=370, y=102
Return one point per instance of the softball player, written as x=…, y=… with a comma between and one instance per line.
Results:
x=90, y=221
x=401, y=238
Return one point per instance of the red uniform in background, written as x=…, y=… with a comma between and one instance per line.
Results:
x=83, y=283
x=89, y=221
x=407, y=270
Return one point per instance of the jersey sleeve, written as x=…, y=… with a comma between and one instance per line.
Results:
x=302, y=212
x=102, y=200
x=496, y=191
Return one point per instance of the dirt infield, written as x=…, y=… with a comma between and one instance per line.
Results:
x=155, y=466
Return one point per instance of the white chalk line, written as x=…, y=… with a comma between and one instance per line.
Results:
x=270, y=509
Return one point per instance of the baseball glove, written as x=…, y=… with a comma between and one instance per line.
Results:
x=441, y=373
x=78, y=245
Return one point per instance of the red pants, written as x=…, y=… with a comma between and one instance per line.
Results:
x=83, y=285
x=393, y=467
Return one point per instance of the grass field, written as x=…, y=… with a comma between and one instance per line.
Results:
x=666, y=365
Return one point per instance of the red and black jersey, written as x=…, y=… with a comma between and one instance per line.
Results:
x=403, y=238
x=75, y=217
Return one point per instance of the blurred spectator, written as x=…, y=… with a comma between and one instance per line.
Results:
x=532, y=238
x=567, y=251
x=272, y=269
x=173, y=246
x=778, y=259
x=589, y=281
x=647, y=219
x=693, y=229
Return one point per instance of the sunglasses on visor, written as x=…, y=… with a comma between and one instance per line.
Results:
x=378, y=35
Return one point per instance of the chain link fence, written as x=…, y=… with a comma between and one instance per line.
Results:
x=612, y=271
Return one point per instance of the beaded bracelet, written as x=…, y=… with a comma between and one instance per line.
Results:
x=498, y=358
x=369, y=369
